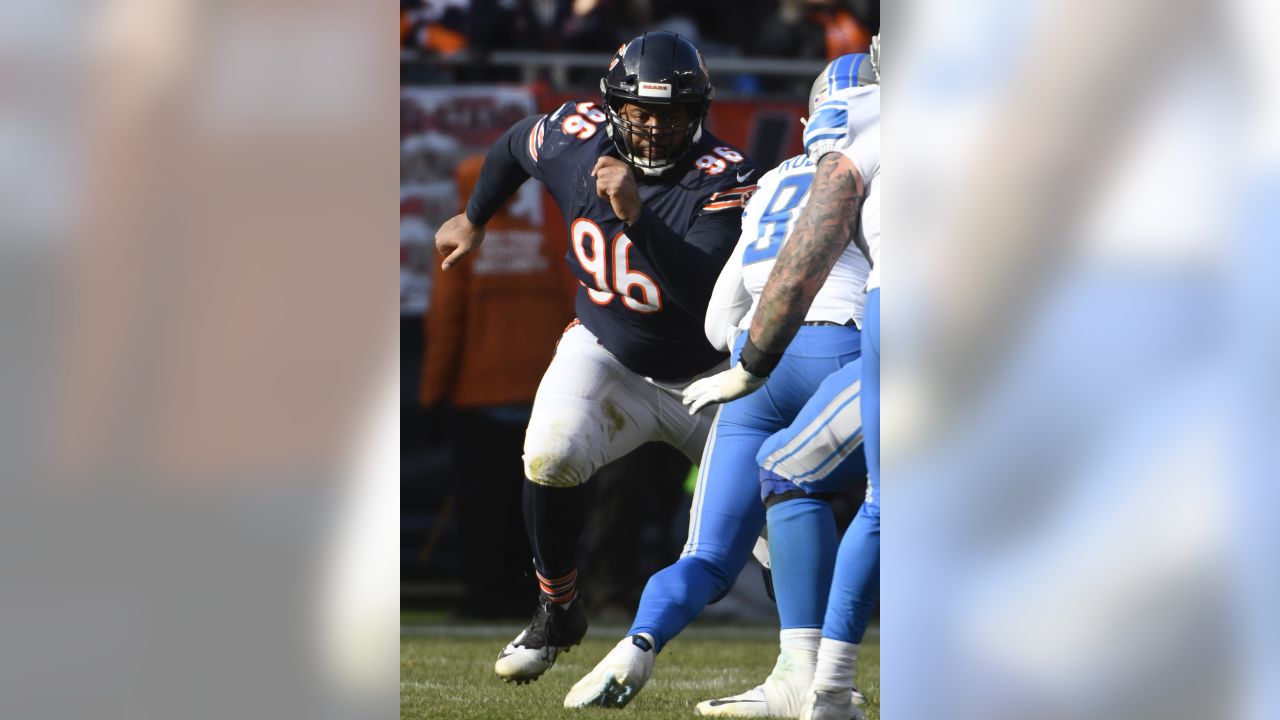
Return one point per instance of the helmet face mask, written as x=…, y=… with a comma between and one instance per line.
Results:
x=650, y=136
x=656, y=94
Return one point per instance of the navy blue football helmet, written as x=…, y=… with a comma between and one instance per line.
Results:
x=656, y=69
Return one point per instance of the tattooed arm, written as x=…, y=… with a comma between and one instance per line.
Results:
x=822, y=232
x=824, y=229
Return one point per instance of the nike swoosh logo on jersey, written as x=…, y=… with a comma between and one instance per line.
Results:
x=744, y=176
x=718, y=703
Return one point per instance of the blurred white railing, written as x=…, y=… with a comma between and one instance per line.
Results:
x=559, y=64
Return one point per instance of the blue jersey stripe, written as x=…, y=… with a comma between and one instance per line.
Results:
x=816, y=431
x=842, y=451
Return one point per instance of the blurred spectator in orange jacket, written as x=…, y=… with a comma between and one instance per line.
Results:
x=842, y=31
x=811, y=29
x=495, y=317
x=491, y=331
x=437, y=27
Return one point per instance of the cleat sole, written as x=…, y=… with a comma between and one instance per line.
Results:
x=613, y=695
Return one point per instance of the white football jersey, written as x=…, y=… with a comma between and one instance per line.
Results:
x=864, y=151
x=767, y=223
x=771, y=214
x=861, y=144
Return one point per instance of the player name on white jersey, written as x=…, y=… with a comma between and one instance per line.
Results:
x=767, y=224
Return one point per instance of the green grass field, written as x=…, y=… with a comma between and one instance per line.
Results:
x=446, y=671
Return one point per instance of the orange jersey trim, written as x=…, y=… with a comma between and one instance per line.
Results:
x=535, y=139
x=745, y=190
x=723, y=205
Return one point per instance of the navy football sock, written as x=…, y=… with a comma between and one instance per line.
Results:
x=802, y=549
x=554, y=518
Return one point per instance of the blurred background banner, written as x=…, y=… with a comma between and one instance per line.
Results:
x=439, y=127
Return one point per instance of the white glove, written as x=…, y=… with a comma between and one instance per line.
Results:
x=720, y=388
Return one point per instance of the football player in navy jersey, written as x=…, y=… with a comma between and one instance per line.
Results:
x=654, y=203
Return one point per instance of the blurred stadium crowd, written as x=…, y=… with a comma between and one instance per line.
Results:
x=808, y=29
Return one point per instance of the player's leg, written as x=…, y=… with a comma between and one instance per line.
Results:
x=726, y=516
x=871, y=390
x=821, y=448
x=855, y=590
x=588, y=411
x=856, y=587
x=725, y=519
x=801, y=466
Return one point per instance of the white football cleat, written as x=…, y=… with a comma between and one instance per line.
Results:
x=838, y=705
x=617, y=679
x=553, y=630
x=780, y=695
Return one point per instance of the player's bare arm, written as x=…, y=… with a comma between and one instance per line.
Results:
x=822, y=233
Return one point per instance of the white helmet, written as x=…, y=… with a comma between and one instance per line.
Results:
x=846, y=71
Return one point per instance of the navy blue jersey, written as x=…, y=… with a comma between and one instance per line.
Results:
x=644, y=288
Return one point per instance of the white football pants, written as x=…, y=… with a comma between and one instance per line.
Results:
x=590, y=411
